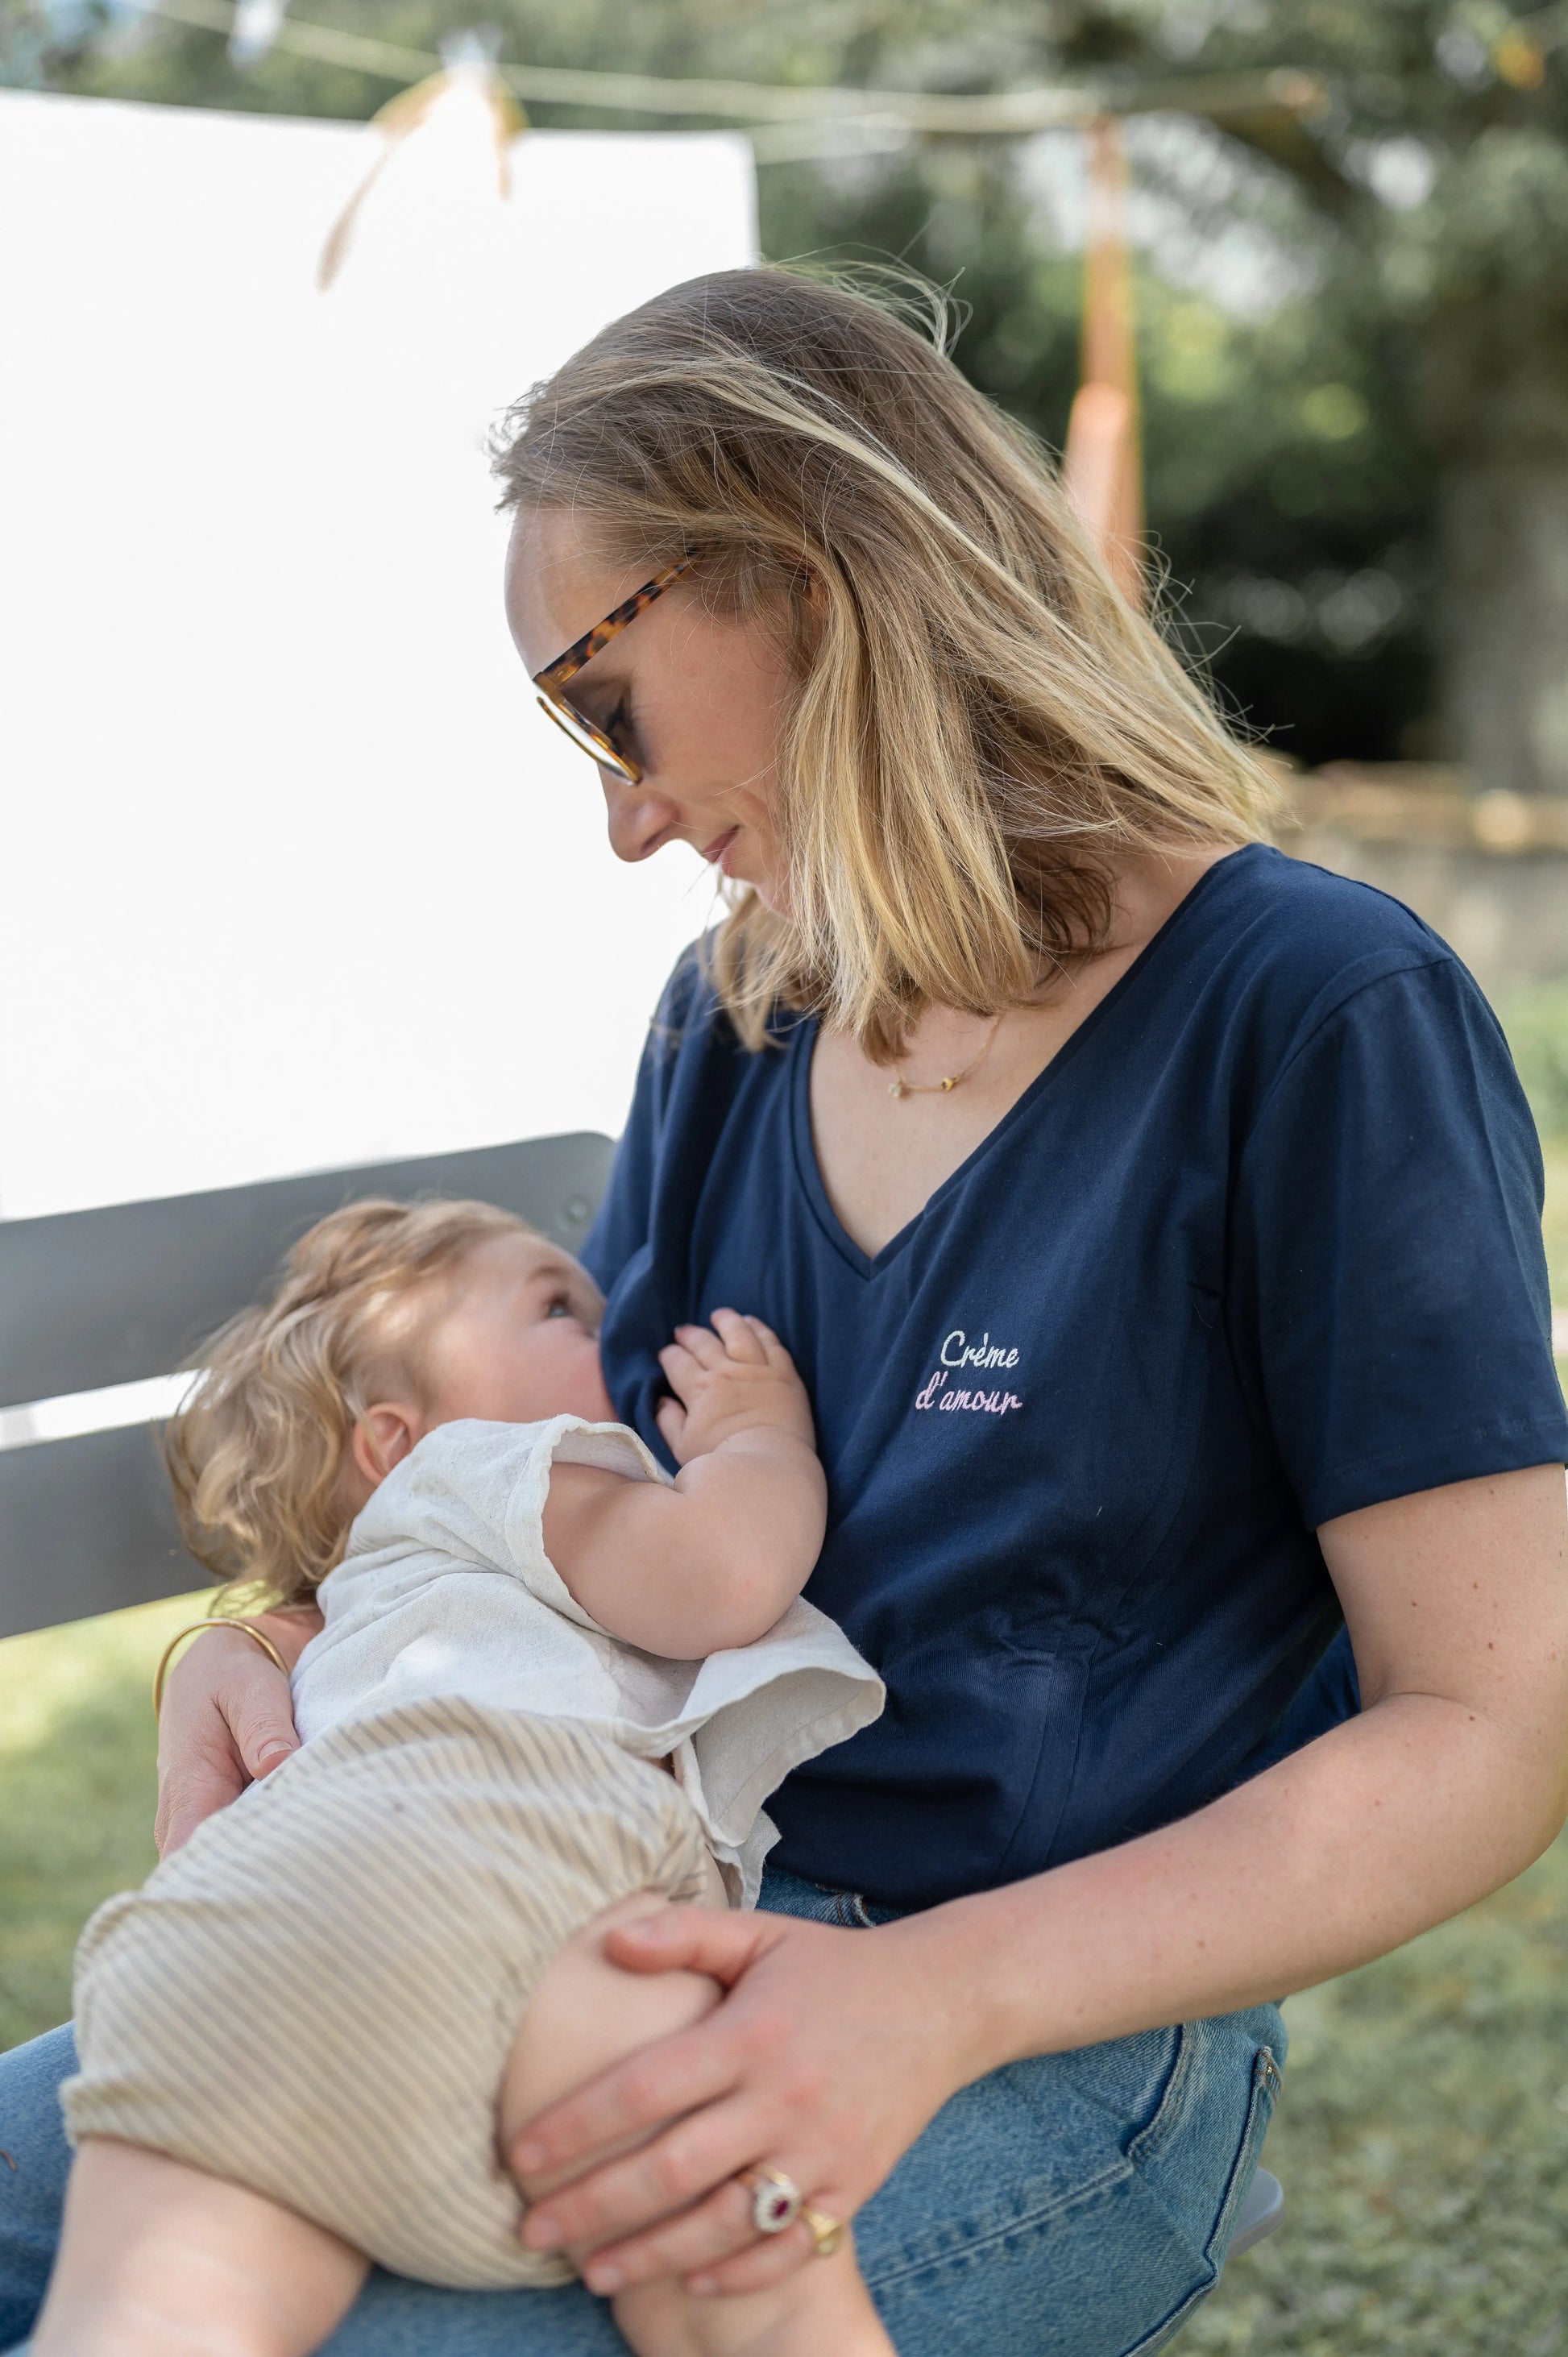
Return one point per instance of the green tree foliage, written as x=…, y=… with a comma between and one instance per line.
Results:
x=1288, y=505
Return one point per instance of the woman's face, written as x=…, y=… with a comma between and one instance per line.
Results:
x=698, y=698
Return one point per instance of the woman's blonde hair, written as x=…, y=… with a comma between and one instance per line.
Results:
x=260, y=1449
x=981, y=721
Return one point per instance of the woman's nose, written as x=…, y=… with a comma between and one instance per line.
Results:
x=640, y=820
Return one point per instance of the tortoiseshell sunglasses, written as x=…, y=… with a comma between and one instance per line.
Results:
x=576, y=724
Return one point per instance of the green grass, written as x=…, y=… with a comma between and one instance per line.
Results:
x=77, y=1748
x=1554, y=1226
x=1423, y=2143
x=1422, y=2136
x=1535, y=1016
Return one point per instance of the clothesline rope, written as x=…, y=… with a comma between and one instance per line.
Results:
x=1006, y=114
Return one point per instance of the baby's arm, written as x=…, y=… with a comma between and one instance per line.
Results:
x=714, y=1561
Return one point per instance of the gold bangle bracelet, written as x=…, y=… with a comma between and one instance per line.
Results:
x=217, y=1621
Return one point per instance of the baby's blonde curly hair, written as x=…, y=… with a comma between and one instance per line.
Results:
x=260, y=1449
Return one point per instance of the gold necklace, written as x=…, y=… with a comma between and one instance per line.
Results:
x=900, y=1087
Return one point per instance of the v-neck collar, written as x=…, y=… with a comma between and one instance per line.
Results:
x=802, y=1047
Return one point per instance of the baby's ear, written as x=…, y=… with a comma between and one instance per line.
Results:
x=383, y=1437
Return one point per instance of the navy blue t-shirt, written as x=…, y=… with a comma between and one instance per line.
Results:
x=1259, y=1246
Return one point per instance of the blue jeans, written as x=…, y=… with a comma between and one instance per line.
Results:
x=1075, y=2205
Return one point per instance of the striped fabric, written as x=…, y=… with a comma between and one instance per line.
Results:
x=317, y=1997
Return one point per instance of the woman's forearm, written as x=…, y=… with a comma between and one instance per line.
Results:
x=1365, y=1837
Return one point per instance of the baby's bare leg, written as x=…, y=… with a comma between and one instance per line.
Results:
x=586, y=2013
x=159, y=2259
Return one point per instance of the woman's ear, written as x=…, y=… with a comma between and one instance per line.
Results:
x=383, y=1437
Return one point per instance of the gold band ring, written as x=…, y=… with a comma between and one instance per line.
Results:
x=776, y=2199
x=827, y=2233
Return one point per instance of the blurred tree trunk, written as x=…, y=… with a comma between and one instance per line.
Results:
x=1503, y=620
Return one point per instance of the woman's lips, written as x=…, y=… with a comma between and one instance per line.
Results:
x=717, y=852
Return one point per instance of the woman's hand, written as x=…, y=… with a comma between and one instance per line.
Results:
x=829, y=2055
x=227, y=1720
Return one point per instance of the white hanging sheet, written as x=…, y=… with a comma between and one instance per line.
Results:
x=293, y=874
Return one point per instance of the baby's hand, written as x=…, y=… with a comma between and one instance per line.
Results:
x=734, y=1377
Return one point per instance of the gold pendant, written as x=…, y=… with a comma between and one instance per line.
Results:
x=946, y=1085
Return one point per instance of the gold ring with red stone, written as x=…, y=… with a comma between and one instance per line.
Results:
x=776, y=2199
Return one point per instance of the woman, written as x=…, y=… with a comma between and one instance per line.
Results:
x=1155, y=1222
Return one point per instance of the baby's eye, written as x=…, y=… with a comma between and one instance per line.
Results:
x=559, y=1307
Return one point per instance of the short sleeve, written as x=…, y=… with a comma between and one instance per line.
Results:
x=1388, y=1282
x=566, y=1440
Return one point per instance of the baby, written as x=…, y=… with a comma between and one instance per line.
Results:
x=552, y=1689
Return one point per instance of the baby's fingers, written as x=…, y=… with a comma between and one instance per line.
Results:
x=773, y=1350
x=741, y=1338
x=704, y=1347
x=681, y=1367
